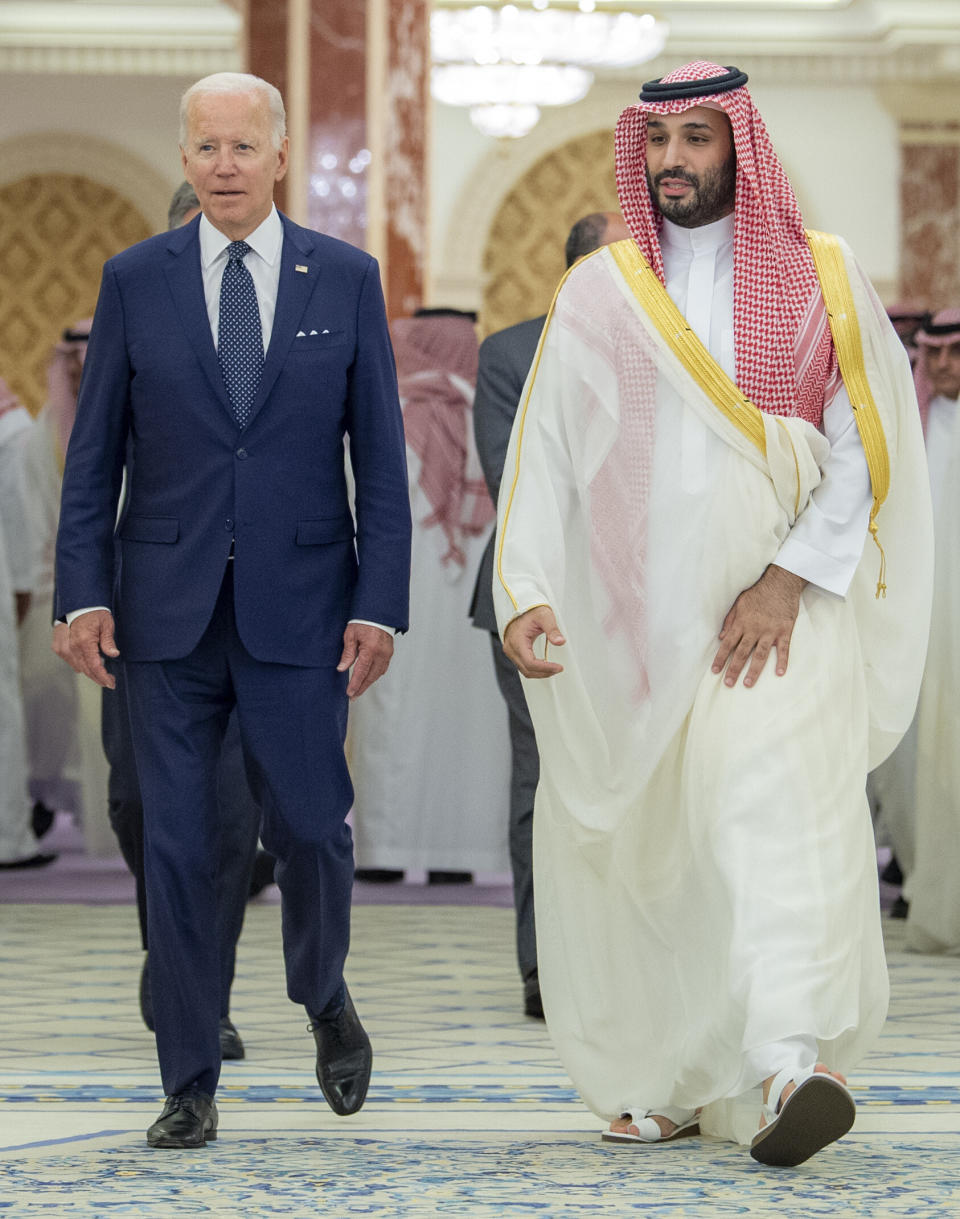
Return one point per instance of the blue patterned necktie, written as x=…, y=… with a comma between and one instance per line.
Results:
x=240, y=339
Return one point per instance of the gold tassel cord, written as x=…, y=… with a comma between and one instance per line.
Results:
x=845, y=329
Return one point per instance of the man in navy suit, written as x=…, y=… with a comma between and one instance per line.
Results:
x=236, y=353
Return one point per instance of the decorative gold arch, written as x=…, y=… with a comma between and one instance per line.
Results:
x=56, y=231
x=523, y=258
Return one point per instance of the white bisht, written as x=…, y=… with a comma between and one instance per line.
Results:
x=704, y=870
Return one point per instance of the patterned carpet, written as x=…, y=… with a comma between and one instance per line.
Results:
x=469, y=1112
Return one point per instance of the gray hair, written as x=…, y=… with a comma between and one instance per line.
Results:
x=237, y=82
x=184, y=200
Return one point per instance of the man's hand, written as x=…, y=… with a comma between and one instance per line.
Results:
x=761, y=618
x=60, y=646
x=91, y=638
x=521, y=635
x=369, y=650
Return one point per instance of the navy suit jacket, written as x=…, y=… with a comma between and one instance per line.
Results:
x=505, y=359
x=277, y=486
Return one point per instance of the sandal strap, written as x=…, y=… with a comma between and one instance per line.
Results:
x=679, y=1117
x=770, y=1108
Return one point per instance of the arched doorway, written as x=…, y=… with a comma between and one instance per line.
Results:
x=56, y=231
x=523, y=256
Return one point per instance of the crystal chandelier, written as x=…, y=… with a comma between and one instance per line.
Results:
x=507, y=62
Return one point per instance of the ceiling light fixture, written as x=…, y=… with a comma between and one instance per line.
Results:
x=505, y=63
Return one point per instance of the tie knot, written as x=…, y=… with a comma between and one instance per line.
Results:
x=237, y=251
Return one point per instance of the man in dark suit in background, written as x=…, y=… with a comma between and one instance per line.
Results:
x=236, y=353
x=239, y=820
x=505, y=360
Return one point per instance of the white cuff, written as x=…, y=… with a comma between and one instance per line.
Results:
x=89, y=610
x=390, y=630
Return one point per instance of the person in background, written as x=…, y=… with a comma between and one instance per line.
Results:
x=504, y=363
x=907, y=317
x=931, y=889
x=64, y=770
x=428, y=745
x=20, y=561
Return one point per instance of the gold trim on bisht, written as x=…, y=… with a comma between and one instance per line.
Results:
x=523, y=423
x=723, y=391
x=676, y=333
x=842, y=315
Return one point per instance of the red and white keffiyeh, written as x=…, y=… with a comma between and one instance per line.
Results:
x=941, y=330
x=8, y=399
x=437, y=372
x=784, y=353
x=63, y=378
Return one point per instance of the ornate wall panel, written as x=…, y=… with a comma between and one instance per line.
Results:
x=523, y=258
x=56, y=231
x=930, y=198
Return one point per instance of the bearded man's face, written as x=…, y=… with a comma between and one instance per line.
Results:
x=691, y=165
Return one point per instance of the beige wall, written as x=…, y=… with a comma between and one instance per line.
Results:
x=136, y=116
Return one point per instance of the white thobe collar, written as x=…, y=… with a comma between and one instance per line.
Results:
x=700, y=239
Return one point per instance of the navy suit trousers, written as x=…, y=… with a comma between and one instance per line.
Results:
x=239, y=825
x=292, y=723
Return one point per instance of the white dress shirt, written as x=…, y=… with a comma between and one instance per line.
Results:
x=826, y=541
x=263, y=263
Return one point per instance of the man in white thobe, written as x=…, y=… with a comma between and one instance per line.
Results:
x=687, y=461
x=932, y=816
x=19, y=571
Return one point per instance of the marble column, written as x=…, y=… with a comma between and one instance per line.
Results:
x=354, y=74
x=404, y=123
x=266, y=30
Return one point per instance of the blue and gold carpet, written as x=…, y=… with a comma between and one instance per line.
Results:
x=469, y=1112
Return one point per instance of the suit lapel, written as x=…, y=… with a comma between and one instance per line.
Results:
x=186, y=285
x=293, y=292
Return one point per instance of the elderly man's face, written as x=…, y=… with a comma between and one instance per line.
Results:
x=943, y=369
x=691, y=165
x=230, y=160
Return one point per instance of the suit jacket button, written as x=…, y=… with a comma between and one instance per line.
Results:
x=228, y=523
x=242, y=453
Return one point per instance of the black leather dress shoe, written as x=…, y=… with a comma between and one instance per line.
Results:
x=440, y=877
x=42, y=819
x=264, y=865
x=231, y=1047
x=344, y=1058
x=40, y=860
x=532, y=1003
x=189, y=1119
